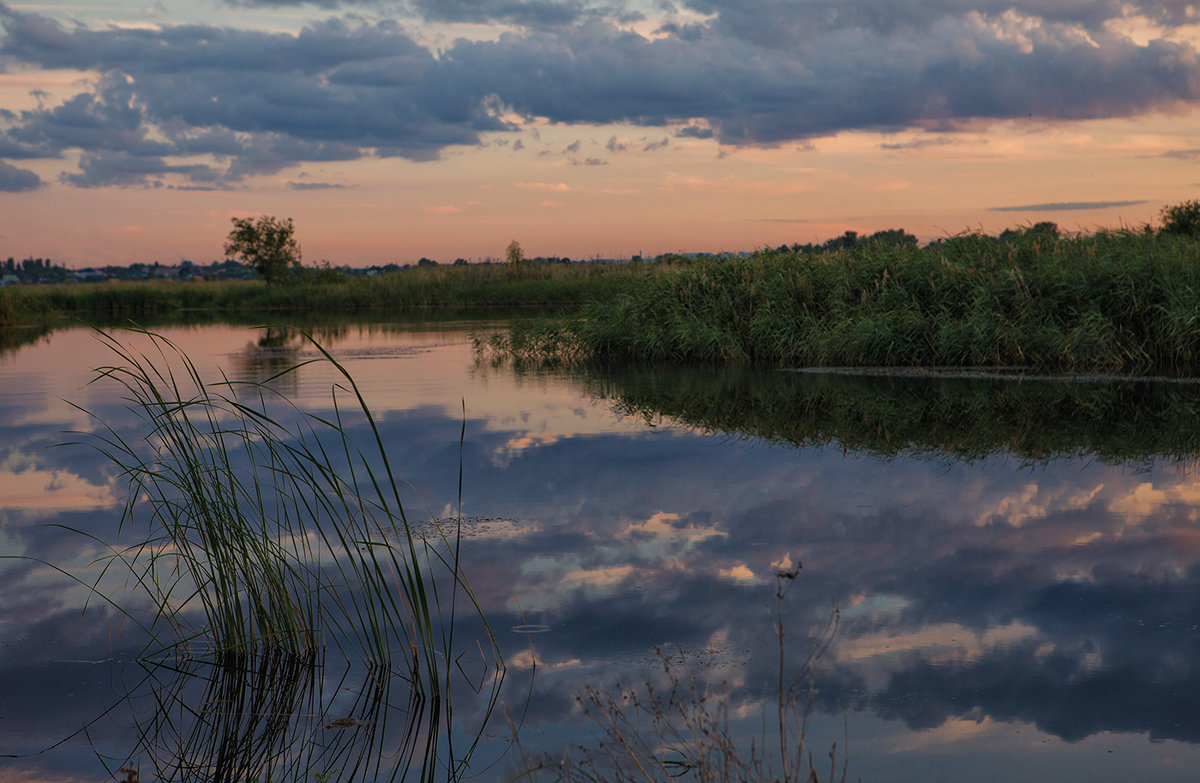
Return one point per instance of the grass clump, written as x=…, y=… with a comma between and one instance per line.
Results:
x=263, y=527
x=265, y=537
x=1120, y=301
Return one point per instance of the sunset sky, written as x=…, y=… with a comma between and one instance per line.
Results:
x=132, y=130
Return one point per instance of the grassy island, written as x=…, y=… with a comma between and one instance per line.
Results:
x=1123, y=301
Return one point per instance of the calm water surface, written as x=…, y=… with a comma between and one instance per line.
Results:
x=1000, y=620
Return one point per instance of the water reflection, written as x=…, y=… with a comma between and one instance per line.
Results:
x=1016, y=563
x=274, y=717
x=952, y=415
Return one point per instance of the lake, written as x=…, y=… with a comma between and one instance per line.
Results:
x=1014, y=562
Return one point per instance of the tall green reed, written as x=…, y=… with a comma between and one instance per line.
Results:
x=263, y=526
x=1118, y=301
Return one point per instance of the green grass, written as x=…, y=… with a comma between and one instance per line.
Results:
x=1118, y=301
x=471, y=286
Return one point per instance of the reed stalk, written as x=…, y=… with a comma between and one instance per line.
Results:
x=262, y=526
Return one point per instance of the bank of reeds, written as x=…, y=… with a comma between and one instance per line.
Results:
x=22, y=305
x=1121, y=301
x=529, y=284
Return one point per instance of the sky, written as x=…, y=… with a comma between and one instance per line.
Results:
x=389, y=130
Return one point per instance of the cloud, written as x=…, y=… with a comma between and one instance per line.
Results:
x=557, y=187
x=916, y=144
x=17, y=180
x=533, y=13
x=293, y=185
x=1066, y=206
x=245, y=102
x=695, y=132
x=1186, y=154
x=210, y=105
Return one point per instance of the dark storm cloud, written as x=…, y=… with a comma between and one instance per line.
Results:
x=755, y=73
x=256, y=101
x=17, y=180
x=767, y=20
x=534, y=13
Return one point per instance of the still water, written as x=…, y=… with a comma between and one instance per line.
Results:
x=1018, y=585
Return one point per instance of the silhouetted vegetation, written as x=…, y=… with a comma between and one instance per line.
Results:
x=331, y=291
x=1182, y=219
x=266, y=243
x=1124, y=301
x=1121, y=301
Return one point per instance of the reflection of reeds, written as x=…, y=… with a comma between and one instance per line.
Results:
x=929, y=415
x=266, y=716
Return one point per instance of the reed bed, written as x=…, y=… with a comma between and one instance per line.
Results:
x=527, y=284
x=1121, y=301
x=263, y=527
x=265, y=537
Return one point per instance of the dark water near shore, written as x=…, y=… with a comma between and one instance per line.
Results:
x=1016, y=562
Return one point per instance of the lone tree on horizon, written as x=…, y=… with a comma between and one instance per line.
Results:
x=514, y=253
x=266, y=243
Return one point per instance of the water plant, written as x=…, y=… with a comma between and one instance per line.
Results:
x=266, y=535
x=1123, y=301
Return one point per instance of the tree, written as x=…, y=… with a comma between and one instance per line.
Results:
x=1182, y=219
x=267, y=244
x=514, y=253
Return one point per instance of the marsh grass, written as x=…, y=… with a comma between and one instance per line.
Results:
x=1120, y=301
x=262, y=527
x=472, y=286
x=266, y=536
